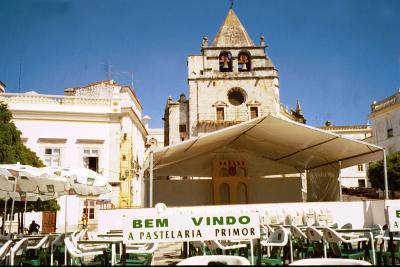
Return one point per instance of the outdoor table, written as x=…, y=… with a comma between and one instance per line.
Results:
x=28, y=237
x=112, y=242
x=114, y=231
x=363, y=230
x=110, y=235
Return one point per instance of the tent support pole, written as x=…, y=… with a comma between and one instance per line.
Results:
x=151, y=181
x=340, y=182
x=385, y=175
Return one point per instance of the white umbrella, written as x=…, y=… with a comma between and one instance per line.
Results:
x=25, y=179
x=31, y=179
x=83, y=182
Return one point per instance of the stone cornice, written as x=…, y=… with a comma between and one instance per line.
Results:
x=234, y=47
x=65, y=116
x=137, y=121
x=384, y=111
x=234, y=78
x=132, y=93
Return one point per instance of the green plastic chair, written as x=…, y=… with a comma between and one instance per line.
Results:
x=385, y=253
x=316, y=239
x=301, y=246
x=277, y=241
x=139, y=255
x=340, y=247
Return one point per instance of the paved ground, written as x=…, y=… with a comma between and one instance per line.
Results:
x=168, y=254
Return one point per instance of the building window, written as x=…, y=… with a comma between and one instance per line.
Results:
x=244, y=63
x=91, y=159
x=182, y=128
x=220, y=114
x=389, y=128
x=360, y=167
x=253, y=112
x=361, y=183
x=236, y=96
x=225, y=62
x=89, y=209
x=52, y=157
x=389, y=132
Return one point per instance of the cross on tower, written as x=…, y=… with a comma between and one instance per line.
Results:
x=231, y=4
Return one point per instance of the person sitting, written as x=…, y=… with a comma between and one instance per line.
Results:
x=33, y=228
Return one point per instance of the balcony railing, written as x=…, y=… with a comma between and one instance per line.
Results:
x=54, y=99
x=376, y=106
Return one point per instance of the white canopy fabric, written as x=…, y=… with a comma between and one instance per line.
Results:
x=270, y=145
x=30, y=179
x=83, y=181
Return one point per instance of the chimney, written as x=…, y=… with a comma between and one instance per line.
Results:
x=145, y=120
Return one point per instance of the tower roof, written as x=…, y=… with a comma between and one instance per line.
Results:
x=232, y=33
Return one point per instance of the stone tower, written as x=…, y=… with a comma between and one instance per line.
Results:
x=232, y=81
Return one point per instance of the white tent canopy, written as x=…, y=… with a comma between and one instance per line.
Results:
x=270, y=145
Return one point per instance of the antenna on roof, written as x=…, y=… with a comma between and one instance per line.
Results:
x=19, y=77
x=107, y=68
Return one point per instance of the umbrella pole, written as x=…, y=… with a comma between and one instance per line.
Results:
x=151, y=181
x=340, y=182
x=65, y=227
x=11, y=216
x=385, y=175
x=12, y=206
x=5, y=215
x=23, y=218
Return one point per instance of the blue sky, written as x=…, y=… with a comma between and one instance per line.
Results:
x=336, y=57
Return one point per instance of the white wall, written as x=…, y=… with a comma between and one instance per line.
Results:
x=359, y=213
x=74, y=213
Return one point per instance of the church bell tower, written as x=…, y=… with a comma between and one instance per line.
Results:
x=233, y=80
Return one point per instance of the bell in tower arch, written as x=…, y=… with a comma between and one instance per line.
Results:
x=225, y=63
x=225, y=66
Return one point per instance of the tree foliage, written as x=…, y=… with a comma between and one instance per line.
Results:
x=12, y=149
x=19, y=206
x=376, y=176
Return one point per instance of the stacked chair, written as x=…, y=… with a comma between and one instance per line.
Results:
x=139, y=254
x=275, y=244
x=301, y=244
x=316, y=239
x=4, y=250
x=16, y=253
x=340, y=247
x=215, y=260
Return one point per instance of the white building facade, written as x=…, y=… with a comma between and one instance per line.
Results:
x=385, y=123
x=97, y=126
x=355, y=176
